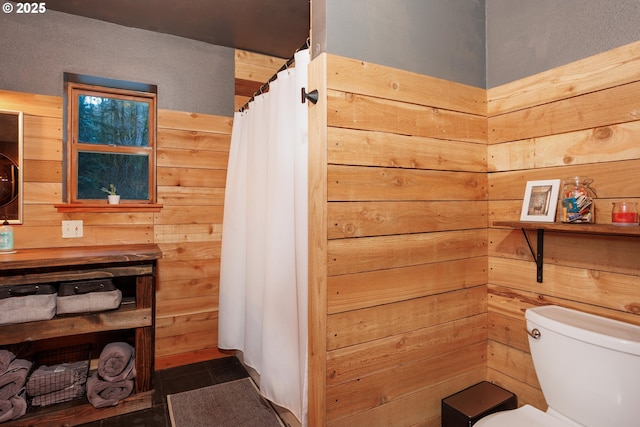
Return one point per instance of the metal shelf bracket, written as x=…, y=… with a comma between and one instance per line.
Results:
x=538, y=255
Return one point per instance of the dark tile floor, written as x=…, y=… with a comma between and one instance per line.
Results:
x=176, y=380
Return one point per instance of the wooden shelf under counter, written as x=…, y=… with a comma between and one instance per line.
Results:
x=134, y=264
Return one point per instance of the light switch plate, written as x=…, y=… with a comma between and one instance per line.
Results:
x=72, y=229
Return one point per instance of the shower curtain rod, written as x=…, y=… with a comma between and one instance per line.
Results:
x=286, y=65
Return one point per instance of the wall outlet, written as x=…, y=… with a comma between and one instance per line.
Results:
x=71, y=229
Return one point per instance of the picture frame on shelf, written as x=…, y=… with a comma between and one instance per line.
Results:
x=540, y=201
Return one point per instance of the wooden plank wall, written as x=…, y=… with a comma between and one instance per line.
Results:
x=192, y=159
x=251, y=72
x=579, y=119
x=191, y=164
x=398, y=269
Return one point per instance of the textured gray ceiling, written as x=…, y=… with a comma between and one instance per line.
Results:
x=271, y=27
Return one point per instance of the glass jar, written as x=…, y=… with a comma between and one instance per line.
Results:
x=577, y=200
x=6, y=237
x=624, y=213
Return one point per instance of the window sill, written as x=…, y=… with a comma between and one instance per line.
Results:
x=104, y=207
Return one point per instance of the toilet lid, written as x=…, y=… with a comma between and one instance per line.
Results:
x=525, y=416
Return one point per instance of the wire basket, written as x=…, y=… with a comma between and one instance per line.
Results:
x=60, y=376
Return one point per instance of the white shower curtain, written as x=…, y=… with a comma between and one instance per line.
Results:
x=263, y=273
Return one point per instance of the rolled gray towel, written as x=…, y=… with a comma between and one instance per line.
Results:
x=14, y=407
x=6, y=357
x=117, y=362
x=104, y=393
x=14, y=378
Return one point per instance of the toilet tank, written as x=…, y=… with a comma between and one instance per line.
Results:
x=588, y=366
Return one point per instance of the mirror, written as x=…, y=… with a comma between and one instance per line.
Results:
x=11, y=166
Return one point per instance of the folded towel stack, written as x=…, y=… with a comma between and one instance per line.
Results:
x=13, y=403
x=57, y=383
x=113, y=381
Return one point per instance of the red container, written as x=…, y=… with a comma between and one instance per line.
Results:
x=624, y=213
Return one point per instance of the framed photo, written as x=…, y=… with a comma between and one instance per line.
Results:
x=540, y=201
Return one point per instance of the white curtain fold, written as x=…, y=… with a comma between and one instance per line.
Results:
x=263, y=273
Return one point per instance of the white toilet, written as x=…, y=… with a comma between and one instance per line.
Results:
x=589, y=371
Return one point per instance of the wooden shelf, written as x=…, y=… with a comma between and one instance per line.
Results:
x=81, y=412
x=105, y=207
x=135, y=269
x=618, y=230
x=541, y=227
x=123, y=318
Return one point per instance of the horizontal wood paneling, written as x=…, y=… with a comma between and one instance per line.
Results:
x=255, y=66
x=369, y=392
x=583, y=147
x=352, y=76
x=361, y=360
x=194, y=140
x=360, y=219
x=192, y=158
x=190, y=196
x=42, y=170
x=405, y=244
x=371, y=148
x=352, y=183
x=371, y=288
x=579, y=119
x=580, y=112
x=187, y=177
x=613, y=254
x=615, y=291
x=32, y=104
x=354, y=111
x=373, y=253
x=378, y=321
x=252, y=70
x=610, y=179
x=612, y=68
x=191, y=122
x=421, y=408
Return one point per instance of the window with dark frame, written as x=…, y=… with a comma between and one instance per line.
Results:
x=110, y=139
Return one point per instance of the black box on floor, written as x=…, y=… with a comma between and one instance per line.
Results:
x=466, y=407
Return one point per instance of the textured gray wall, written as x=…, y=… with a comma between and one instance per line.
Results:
x=451, y=39
x=439, y=38
x=525, y=37
x=191, y=76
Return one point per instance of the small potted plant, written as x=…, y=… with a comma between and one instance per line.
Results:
x=112, y=194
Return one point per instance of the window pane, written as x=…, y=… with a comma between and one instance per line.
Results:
x=103, y=120
x=128, y=172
